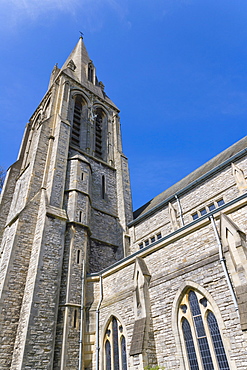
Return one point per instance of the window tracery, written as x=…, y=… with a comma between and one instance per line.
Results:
x=202, y=340
x=115, y=357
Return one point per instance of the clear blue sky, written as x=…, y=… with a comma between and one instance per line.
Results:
x=177, y=69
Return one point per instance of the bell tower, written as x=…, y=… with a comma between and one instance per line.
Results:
x=64, y=212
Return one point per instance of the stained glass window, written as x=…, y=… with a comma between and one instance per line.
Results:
x=189, y=345
x=217, y=342
x=123, y=353
x=200, y=331
x=108, y=355
x=115, y=346
x=115, y=343
x=196, y=322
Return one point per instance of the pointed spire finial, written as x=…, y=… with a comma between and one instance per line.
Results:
x=82, y=34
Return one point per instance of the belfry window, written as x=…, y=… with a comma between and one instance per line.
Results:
x=115, y=357
x=201, y=335
x=76, y=127
x=98, y=133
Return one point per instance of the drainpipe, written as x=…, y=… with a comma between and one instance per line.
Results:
x=97, y=323
x=223, y=264
x=82, y=315
x=180, y=210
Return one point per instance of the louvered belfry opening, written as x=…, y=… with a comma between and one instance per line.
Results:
x=98, y=133
x=76, y=128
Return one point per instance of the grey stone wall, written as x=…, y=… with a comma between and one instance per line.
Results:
x=187, y=258
x=221, y=185
x=18, y=238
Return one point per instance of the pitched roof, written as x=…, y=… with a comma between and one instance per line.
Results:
x=193, y=177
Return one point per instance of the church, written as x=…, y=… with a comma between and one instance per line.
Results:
x=85, y=283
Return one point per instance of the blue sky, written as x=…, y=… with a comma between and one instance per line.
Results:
x=177, y=69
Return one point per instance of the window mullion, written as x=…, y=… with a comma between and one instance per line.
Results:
x=187, y=315
x=196, y=343
x=119, y=350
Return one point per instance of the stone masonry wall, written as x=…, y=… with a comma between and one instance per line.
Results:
x=191, y=259
x=221, y=185
x=39, y=348
x=6, y=197
x=18, y=240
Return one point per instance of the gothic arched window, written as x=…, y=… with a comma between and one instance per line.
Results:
x=189, y=344
x=115, y=357
x=217, y=341
x=99, y=116
x=108, y=355
x=201, y=335
x=123, y=353
x=76, y=127
x=90, y=72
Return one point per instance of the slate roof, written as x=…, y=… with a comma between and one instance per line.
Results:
x=193, y=176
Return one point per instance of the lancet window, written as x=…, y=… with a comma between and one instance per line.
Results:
x=76, y=127
x=200, y=333
x=115, y=357
x=98, y=132
x=103, y=187
x=90, y=72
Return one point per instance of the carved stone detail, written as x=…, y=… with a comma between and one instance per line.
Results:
x=240, y=179
x=173, y=217
x=71, y=65
x=234, y=240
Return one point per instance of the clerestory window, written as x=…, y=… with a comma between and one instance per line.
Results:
x=200, y=334
x=208, y=208
x=115, y=357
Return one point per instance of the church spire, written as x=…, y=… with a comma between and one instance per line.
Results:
x=80, y=67
x=78, y=64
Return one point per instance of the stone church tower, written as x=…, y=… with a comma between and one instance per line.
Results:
x=87, y=284
x=64, y=210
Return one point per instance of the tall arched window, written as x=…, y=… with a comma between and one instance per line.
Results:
x=200, y=333
x=76, y=127
x=217, y=341
x=189, y=344
x=115, y=357
x=108, y=355
x=123, y=353
x=99, y=116
x=90, y=72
